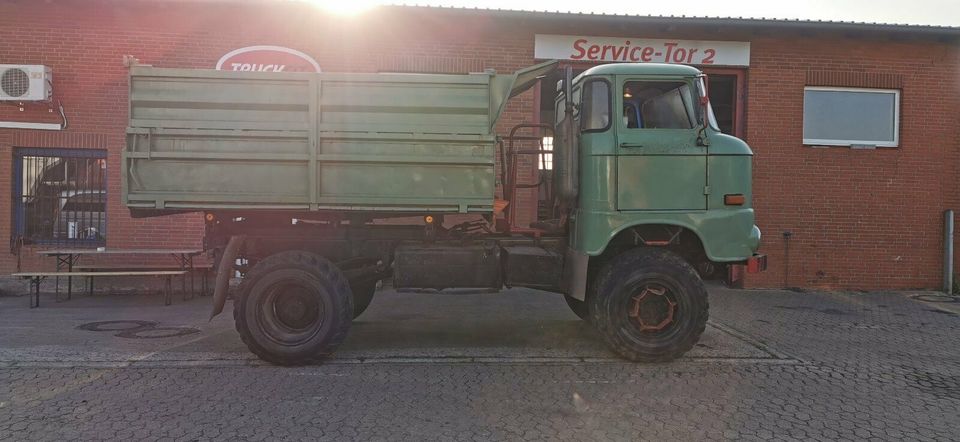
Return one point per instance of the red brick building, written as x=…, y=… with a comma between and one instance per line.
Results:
x=861, y=214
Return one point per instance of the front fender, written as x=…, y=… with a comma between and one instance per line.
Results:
x=728, y=235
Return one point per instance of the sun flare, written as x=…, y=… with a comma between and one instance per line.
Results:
x=347, y=7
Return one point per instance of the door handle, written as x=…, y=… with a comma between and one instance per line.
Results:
x=630, y=145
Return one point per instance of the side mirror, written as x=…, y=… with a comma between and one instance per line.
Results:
x=704, y=110
x=704, y=98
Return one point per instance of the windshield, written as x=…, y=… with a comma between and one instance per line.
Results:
x=658, y=105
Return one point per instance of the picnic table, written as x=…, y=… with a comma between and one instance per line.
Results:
x=37, y=277
x=69, y=258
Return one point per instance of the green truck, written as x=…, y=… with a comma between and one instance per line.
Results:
x=317, y=186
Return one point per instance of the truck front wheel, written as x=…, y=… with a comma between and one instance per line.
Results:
x=294, y=308
x=649, y=304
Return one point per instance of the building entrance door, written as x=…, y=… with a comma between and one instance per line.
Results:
x=726, y=88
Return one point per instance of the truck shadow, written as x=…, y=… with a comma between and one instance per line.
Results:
x=521, y=321
x=413, y=333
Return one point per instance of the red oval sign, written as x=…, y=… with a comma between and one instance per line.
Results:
x=267, y=59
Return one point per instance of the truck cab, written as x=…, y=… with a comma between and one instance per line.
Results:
x=653, y=167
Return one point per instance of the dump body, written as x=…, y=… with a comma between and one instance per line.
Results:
x=204, y=139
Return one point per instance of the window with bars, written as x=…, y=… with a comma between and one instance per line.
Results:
x=60, y=196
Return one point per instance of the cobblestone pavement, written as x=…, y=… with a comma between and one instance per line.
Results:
x=773, y=365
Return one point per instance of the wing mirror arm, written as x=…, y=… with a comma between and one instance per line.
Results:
x=704, y=95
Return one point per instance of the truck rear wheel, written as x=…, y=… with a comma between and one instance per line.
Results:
x=294, y=308
x=649, y=304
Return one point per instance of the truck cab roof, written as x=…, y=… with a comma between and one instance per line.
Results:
x=663, y=69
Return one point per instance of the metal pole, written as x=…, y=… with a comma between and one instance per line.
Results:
x=786, y=258
x=948, y=251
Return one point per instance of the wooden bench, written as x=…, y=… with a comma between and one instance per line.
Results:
x=203, y=269
x=36, y=277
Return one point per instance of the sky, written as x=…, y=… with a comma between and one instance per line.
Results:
x=918, y=12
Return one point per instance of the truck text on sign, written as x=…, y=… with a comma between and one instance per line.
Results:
x=267, y=59
x=639, y=50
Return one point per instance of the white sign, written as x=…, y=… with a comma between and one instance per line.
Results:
x=641, y=50
x=267, y=59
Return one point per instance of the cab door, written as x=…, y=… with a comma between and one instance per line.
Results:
x=659, y=164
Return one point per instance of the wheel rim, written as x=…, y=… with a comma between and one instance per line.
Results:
x=291, y=313
x=653, y=309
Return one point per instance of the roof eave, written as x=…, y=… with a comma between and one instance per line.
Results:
x=737, y=22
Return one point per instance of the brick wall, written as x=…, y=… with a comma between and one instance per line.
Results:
x=85, y=42
x=859, y=218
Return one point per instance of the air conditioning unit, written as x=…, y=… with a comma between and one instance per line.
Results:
x=25, y=82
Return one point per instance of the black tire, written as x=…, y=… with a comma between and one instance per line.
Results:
x=578, y=307
x=363, y=292
x=294, y=308
x=649, y=304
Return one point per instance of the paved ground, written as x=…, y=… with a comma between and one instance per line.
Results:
x=517, y=365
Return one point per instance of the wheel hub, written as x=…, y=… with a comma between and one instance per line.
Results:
x=294, y=309
x=652, y=309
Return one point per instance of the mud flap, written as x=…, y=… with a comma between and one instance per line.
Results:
x=575, y=274
x=224, y=270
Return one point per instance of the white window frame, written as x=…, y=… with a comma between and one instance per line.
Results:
x=545, y=161
x=896, y=118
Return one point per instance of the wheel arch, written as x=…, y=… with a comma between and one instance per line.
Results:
x=674, y=237
x=678, y=237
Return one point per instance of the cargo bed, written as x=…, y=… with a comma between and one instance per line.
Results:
x=204, y=139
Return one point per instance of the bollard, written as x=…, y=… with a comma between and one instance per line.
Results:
x=948, y=252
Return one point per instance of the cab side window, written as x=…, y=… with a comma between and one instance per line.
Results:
x=595, y=105
x=657, y=105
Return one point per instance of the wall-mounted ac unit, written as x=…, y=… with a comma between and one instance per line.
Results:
x=25, y=82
